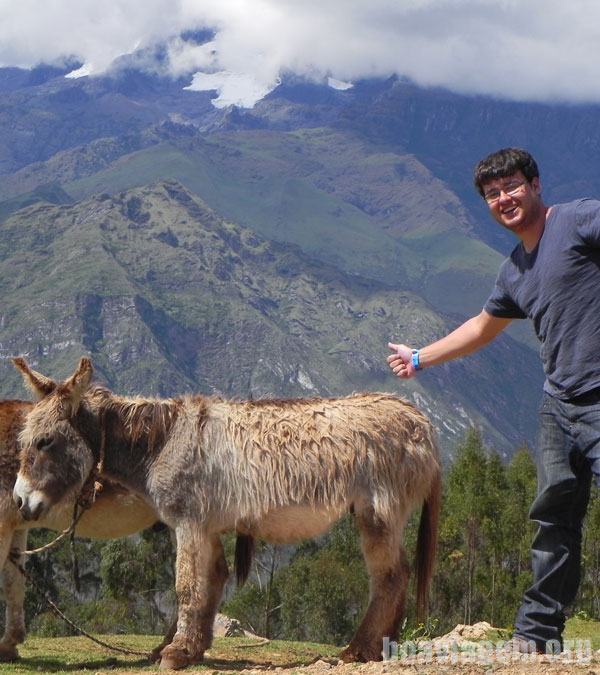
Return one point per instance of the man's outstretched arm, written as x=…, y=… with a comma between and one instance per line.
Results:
x=467, y=338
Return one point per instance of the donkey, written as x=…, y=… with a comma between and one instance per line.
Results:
x=281, y=470
x=116, y=512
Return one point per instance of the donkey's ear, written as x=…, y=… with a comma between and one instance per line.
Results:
x=39, y=385
x=72, y=390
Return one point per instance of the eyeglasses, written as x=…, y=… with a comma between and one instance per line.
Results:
x=509, y=189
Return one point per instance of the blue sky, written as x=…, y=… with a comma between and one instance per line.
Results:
x=544, y=50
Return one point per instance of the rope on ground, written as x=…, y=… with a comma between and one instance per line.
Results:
x=66, y=619
x=262, y=643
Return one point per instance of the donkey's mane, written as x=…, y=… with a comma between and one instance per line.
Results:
x=142, y=418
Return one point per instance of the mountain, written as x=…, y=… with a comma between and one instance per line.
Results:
x=360, y=204
x=168, y=298
x=368, y=210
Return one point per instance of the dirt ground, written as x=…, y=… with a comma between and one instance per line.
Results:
x=460, y=664
x=537, y=668
x=467, y=650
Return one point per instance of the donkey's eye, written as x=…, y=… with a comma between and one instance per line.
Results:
x=45, y=443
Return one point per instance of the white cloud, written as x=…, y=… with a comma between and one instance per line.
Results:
x=522, y=49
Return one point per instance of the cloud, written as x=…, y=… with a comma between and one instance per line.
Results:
x=534, y=50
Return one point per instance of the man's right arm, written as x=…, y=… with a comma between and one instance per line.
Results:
x=467, y=338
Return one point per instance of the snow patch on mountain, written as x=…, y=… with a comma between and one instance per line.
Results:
x=339, y=84
x=240, y=89
x=243, y=89
x=85, y=70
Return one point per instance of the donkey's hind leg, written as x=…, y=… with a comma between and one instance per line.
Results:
x=13, y=586
x=389, y=573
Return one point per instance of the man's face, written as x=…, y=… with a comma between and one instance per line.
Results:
x=513, y=202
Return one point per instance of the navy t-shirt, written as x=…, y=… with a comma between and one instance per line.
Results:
x=557, y=286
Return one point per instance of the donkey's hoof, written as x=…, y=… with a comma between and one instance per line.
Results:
x=155, y=655
x=359, y=655
x=8, y=653
x=349, y=656
x=172, y=658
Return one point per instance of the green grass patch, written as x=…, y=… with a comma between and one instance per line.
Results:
x=582, y=628
x=79, y=655
x=139, y=168
x=445, y=251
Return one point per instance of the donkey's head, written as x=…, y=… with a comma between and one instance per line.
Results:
x=55, y=461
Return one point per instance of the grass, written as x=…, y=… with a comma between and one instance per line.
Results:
x=79, y=655
x=139, y=168
x=452, y=250
x=583, y=629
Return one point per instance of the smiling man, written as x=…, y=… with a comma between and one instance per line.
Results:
x=553, y=278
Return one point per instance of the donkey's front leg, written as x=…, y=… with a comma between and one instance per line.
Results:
x=201, y=572
x=13, y=585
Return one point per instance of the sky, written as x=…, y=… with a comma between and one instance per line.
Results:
x=536, y=50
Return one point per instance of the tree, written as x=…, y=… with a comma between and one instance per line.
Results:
x=522, y=483
x=257, y=604
x=485, y=535
x=137, y=580
x=465, y=508
x=495, y=534
x=119, y=585
x=588, y=599
x=320, y=595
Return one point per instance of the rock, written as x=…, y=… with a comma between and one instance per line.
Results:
x=477, y=631
x=226, y=627
x=462, y=637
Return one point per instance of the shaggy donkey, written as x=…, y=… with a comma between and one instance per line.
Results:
x=116, y=512
x=281, y=470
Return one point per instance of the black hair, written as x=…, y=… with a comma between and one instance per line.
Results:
x=502, y=163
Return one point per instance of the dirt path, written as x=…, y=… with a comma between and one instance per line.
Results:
x=467, y=650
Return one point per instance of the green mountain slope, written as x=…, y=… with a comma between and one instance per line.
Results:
x=362, y=208
x=167, y=297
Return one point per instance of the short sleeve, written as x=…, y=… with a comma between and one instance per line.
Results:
x=588, y=221
x=500, y=304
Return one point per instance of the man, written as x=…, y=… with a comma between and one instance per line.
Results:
x=553, y=278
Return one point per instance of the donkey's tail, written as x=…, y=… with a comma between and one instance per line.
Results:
x=427, y=540
x=244, y=551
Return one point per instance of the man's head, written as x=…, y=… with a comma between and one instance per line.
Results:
x=504, y=163
x=509, y=182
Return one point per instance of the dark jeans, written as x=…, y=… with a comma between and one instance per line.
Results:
x=567, y=456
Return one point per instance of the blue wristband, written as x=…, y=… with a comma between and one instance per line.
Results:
x=415, y=359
